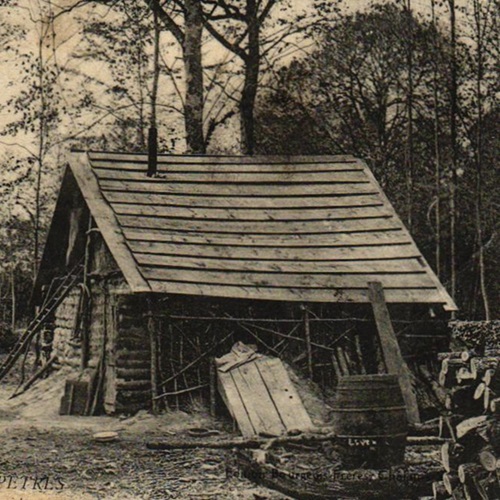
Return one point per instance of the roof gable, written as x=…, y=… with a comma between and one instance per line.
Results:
x=312, y=229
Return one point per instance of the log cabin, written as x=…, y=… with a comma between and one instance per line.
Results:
x=168, y=268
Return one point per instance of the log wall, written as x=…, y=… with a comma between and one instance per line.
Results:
x=67, y=348
x=97, y=324
x=132, y=355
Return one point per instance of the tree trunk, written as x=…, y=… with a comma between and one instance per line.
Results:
x=409, y=104
x=479, y=157
x=249, y=92
x=41, y=152
x=13, y=298
x=437, y=151
x=454, y=151
x=191, y=48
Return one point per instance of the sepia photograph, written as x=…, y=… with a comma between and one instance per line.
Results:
x=249, y=250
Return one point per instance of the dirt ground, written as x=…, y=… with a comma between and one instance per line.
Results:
x=47, y=456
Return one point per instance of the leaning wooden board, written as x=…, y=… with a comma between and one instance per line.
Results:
x=262, y=399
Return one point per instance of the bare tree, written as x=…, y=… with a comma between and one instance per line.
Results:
x=250, y=15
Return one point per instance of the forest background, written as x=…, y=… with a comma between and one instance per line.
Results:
x=411, y=86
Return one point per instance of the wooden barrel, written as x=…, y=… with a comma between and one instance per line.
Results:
x=369, y=417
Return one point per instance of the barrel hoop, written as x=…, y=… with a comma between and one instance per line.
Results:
x=369, y=408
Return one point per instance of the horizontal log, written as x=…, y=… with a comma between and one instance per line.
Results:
x=133, y=373
x=463, y=355
x=255, y=442
x=126, y=397
x=134, y=363
x=129, y=385
x=128, y=354
x=480, y=365
x=130, y=408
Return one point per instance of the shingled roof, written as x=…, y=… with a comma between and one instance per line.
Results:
x=312, y=229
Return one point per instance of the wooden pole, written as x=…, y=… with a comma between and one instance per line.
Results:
x=213, y=387
x=391, y=352
x=154, y=358
x=35, y=377
x=307, y=333
x=86, y=297
x=266, y=443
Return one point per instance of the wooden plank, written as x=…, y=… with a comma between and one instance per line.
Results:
x=354, y=238
x=284, y=394
x=264, y=403
x=223, y=214
x=448, y=302
x=391, y=352
x=107, y=223
x=294, y=203
x=201, y=189
x=260, y=227
x=222, y=159
x=385, y=252
x=232, y=399
x=282, y=279
x=258, y=404
x=286, y=177
x=341, y=295
x=313, y=265
x=164, y=167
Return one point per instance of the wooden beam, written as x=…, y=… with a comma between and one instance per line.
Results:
x=153, y=339
x=391, y=352
x=307, y=333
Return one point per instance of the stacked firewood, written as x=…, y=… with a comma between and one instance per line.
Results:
x=471, y=456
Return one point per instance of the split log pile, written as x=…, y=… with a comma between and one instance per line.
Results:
x=471, y=457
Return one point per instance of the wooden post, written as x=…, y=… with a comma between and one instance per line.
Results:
x=391, y=353
x=307, y=332
x=86, y=298
x=213, y=387
x=154, y=358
